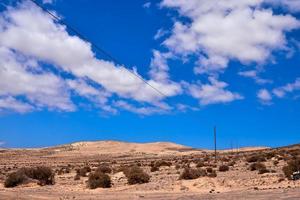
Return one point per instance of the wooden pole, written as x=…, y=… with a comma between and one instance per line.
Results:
x=215, y=140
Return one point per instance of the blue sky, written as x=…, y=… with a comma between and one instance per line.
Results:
x=233, y=65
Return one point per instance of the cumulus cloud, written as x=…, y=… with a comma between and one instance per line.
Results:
x=291, y=5
x=159, y=66
x=264, y=96
x=31, y=33
x=281, y=92
x=21, y=77
x=221, y=31
x=254, y=75
x=213, y=93
x=10, y=104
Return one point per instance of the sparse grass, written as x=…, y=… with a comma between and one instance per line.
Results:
x=99, y=179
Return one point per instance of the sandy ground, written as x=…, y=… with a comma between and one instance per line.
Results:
x=237, y=183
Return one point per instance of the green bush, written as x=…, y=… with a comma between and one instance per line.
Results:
x=99, y=179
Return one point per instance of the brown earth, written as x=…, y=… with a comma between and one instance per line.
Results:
x=237, y=183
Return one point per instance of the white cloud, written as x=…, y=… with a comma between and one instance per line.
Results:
x=160, y=33
x=144, y=110
x=29, y=31
x=291, y=5
x=280, y=92
x=147, y=4
x=221, y=31
x=213, y=93
x=159, y=66
x=48, y=1
x=8, y=104
x=264, y=96
x=254, y=75
x=184, y=107
x=44, y=89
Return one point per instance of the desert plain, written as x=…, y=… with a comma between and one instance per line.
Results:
x=249, y=173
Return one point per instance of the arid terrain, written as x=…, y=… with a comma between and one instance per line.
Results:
x=175, y=172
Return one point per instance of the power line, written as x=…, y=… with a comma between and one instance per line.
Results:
x=101, y=50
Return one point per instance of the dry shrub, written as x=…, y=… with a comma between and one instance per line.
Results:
x=76, y=177
x=209, y=170
x=231, y=163
x=104, y=169
x=177, y=166
x=260, y=167
x=200, y=164
x=291, y=167
x=189, y=173
x=275, y=162
x=154, y=168
x=270, y=155
x=225, y=159
x=136, y=175
x=14, y=179
x=213, y=174
x=83, y=171
x=256, y=158
x=44, y=175
x=223, y=168
x=161, y=163
x=99, y=179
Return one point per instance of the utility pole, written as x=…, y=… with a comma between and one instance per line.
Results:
x=215, y=140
